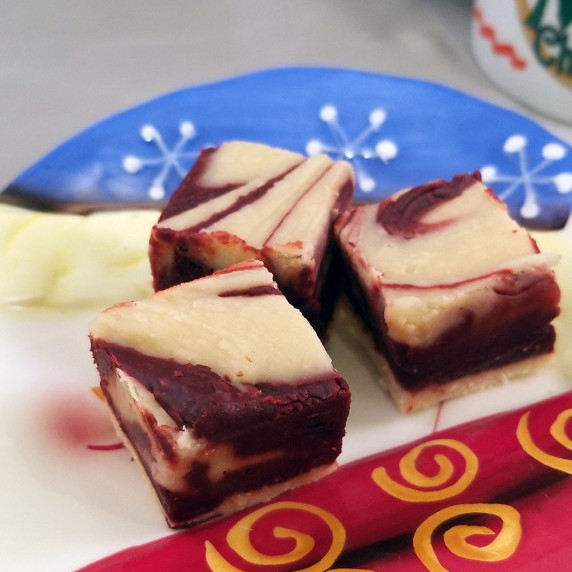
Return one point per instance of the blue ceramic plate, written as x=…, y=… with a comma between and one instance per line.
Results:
x=69, y=496
x=396, y=131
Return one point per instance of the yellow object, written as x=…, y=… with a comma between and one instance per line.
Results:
x=67, y=260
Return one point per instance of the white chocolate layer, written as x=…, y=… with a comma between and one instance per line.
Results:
x=417, y=317
x=273, y=207
x=244, y=161
x=474, y=237
x=248, y=339
x=246, y=165
x=287, y=222
x=426, y=283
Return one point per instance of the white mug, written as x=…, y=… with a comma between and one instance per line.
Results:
x=525, y=48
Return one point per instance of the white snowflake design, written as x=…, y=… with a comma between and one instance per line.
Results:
x=353, y=149
x=167, y=159
x=529, y=177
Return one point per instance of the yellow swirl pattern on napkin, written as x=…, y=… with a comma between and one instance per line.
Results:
x=238, y=538
x=503, y=544
x=422, y=488
x=558, y=432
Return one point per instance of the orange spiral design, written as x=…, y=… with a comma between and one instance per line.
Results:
x=558, y=432
x=503, y=545
x=421, y=487
x=238, y=538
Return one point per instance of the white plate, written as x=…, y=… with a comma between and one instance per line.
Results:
x=65, y=504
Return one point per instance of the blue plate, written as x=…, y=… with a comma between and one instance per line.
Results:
x=397, y=132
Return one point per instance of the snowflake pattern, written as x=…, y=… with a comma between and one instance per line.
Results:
x=167, y=160
x=354, y=150
x=528, y=178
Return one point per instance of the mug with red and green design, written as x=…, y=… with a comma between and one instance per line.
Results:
x=525, y=47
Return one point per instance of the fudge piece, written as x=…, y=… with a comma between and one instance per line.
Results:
x=223, y=391
x=247, y=200
x=455, y=294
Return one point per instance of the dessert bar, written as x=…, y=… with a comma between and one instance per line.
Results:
x=455, y=294
x=246, y=200
x=222, y=390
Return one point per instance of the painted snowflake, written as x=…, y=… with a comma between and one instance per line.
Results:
x=530, y=191
x=168, y=159
x=355, y=150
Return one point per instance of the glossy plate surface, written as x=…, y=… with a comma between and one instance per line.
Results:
x=69, y=496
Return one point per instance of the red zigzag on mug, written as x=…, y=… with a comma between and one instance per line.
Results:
x=499, y=48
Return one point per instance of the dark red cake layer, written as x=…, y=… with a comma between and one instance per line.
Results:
x=515, y=328
x=178, y=246
x=220, y=411
x=204, y=496
x=254, y=291
x=182, y=508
